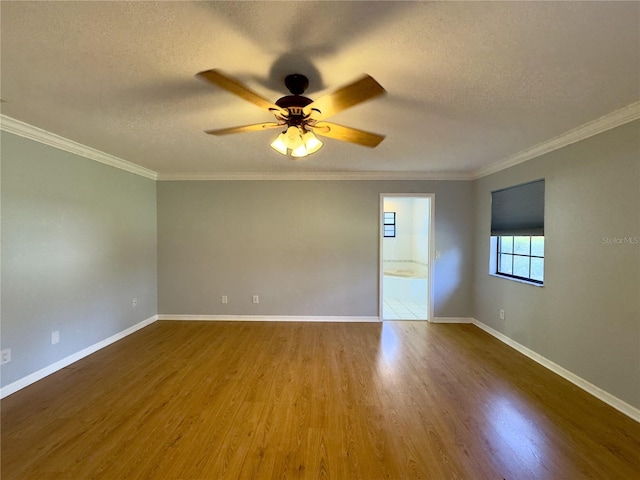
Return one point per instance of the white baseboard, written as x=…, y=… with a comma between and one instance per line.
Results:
x=268, y=318
x=452, y=320
x=597, y=392
x=65, y=362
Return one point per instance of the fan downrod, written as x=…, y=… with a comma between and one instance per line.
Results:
x=296, y=83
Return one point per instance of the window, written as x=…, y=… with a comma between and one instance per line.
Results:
x=389, y=221
x=517, y=232
x=521, y=257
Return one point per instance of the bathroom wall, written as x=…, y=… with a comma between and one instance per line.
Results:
x=421, y=219
x=411, y=244
x=399, y=248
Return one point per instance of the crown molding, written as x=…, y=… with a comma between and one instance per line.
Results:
x=25, y=130
x=295, y=176
x=607, y=122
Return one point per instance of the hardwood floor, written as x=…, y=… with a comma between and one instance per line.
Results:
x=399, y=400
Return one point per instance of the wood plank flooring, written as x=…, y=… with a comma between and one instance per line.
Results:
x=398, y=400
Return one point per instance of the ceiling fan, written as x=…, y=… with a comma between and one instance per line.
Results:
x=300, y=117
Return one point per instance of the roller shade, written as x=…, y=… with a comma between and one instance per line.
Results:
x=518, y=210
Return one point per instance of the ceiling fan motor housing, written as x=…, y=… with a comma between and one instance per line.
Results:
x=296, y=83
x=294, y=104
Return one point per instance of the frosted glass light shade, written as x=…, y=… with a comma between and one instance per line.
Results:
x=279, y=144
x=301, y=151
x=311, y=142
x=301, y=144
x=294, y=138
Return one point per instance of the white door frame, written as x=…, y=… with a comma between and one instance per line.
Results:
x=432, y=209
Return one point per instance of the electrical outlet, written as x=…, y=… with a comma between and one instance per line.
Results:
x=256, y=299
x=134, y=302
x=438, y=253
x=224, y=299
x=55, y=337
x=5, y=356
x=501, y=314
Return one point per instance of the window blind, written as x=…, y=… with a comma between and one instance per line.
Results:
x=518, y=210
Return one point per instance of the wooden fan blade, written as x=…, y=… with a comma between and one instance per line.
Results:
x=234, y=86
x=345, y=97
x=244, y=128
x=347, y=134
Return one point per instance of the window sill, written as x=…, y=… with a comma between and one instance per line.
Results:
x=504, y=277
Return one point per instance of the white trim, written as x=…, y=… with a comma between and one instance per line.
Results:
x=315, y=176
x=65, y=362
x=452, y=320
x=607, y=122
x=519, y=280
x=597, y=392
x=267, y=318
x=25, y=130
x=431, y=247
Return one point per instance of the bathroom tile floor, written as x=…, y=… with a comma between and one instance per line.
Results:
x=395, y=309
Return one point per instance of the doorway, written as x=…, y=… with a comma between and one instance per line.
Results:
x=406, y=225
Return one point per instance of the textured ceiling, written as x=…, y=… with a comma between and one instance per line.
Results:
x=469, y=83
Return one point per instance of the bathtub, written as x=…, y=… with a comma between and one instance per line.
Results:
x=405, y=284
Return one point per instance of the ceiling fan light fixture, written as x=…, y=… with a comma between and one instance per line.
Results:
x=294, y=138
x=297, y=141
x=299, y=152
x=311, y=142
x=279, y=144
x=310, y=145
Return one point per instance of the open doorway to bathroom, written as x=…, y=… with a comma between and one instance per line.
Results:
x=406, y=224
